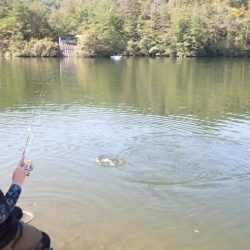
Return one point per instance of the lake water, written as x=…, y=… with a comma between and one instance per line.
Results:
x=181, y=126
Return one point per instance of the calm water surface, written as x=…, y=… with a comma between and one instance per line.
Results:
x=182, y=128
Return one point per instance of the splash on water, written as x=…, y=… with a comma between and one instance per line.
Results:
x=106, y=161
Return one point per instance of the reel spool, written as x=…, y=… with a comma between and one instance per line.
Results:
x=28, y=166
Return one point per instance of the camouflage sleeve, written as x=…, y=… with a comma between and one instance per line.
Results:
x=8, y=202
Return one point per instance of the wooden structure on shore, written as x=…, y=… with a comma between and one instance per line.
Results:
x=67, y=44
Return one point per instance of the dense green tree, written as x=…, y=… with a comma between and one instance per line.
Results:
x=8, y=26
x=133, y=27
x=103, y=34
x=238, y=3
x=5, y=6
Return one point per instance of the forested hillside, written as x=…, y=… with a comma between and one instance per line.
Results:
x=132, y=27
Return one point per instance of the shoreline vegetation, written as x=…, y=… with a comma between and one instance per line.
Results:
x=174, y=28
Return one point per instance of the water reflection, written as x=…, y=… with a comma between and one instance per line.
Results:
x=159, y=86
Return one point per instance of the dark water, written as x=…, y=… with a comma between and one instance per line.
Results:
x=182, y=128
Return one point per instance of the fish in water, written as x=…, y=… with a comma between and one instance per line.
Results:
x=108, y=162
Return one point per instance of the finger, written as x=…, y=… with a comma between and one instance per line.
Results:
x=21, y=161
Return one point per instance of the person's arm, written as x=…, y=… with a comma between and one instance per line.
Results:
x=8, y=202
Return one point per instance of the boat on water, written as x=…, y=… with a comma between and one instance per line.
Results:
x=117, y=57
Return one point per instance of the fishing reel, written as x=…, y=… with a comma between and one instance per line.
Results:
x=28, y=166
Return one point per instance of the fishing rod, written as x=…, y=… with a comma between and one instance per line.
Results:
x=31, y=123
x=28, y=165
